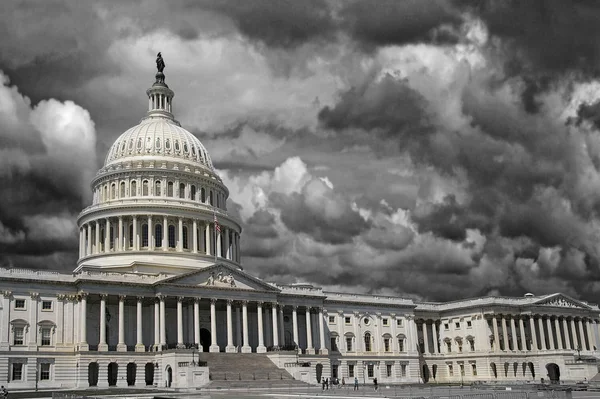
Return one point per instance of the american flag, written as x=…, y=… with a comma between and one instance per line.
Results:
x=217, y=227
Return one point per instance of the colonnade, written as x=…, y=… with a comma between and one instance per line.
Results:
x=157, y=233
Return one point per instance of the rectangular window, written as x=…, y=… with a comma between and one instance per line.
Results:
x=446, y=326
x=388, y=370
x=472, y=344
x=386, y=344
x=449, y=345
x=457, y=325
x=46, y=305
x=19, y=336
x=403, y=370
x=333, y=342
x=462, y=369
x=44, y=371
x=370, y=371
x=450, y=370
x=331, y=319
x=17, y=371
x=469, y=324
x=349, y=344
x=350, y=370
x=399, y=322
x=474, y=369
x=46, y=336
x=401, y=344
x=385, y=322
x=348, y=320
x=19, y=303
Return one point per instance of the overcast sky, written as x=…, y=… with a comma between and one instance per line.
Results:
x=428, y=149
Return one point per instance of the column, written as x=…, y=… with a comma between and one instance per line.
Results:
x=550, y=334
x=565, y=324
x=295, y=324
x=394, y=341
x=226, y=243
x=33, y=312
x=433, y=332
x=156, y=325
x=219, y=252
x=81, y=242
x=590, y=334
x=180, y=235
x=83, y=345
x=165, y=231
x=230, y=348
x=120, y=234
x=163, y=325
x=180, y=323
x=558, y=334
x=246, y=347
x=309, y=345
x=323, y=349
x=542, y=333
x=238, y=328
x=275, y=330
x=102, y=345
x=425, y=337
x=513, y=332
x=97, y=251
x=197, y=323
x=107, y=236
x=121, y=347
x=261, y=339
x=496, y=337
x=504, y=332
x=214, y=346
x=195, y=236
x=581, y=335
x=150, y=234
x=574, y=334
x=522, y=333
x=89, y=239
x=594, y=333
x=139, y=345
x=136, y=240
x=60, y=319
x=207, y=235
x=534, y=344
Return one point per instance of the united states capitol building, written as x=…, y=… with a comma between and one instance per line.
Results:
x=159, y=283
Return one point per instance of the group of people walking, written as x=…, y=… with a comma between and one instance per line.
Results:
x=334, y=381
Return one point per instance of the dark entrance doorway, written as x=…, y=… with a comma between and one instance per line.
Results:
x=149, y=373
x=205, y=340
x=169, y=380
x=425, y=374
x=113, y=373
x=334, y=371
x=131, y=373
x=553, y=373
x=93, y=374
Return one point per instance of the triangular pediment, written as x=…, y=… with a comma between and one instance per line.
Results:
x=220, y=276
x=562, y=301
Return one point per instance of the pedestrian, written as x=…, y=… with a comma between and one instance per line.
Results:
x=375, y=383
x=323, y=383
x=3, y=392
x=356, y=383
x=343, y=382
x=327, y=383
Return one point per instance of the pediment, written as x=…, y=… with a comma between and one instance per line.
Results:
x=220, y=276
x=562, y=301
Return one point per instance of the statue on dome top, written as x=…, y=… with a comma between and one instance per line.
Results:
x=160, y=63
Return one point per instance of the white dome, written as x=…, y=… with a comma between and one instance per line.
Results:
x=158, y=137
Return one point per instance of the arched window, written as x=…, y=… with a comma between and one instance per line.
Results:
x=133, y=190
x=145, y=235
x=122, y=193
x=113, y=191
x=185, y=238
x=105, y=193
x=218, y=199
x=157, y=188
x=367, y=342
x=202, y=195
x=170, y=189
x=145, y=188
x=158, y=236
x=193, y=193
x=181, y=190
x=171, y=236
x=210, y=197
x=131, y=236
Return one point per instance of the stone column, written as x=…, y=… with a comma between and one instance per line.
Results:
x=195, y=236
x=197, y=323
x=214, y=346
x=558, y=334
x=163, y=324
x=433, y=332
x=574, y=333
x=246, y=347
x=594, y=332
x=495, y=330
x=275, y=329
x=121, y=346
x=83, y=344
x=107, y=236
x=513, y=332
x=180, y=344
x=309, y=345
x=238, y=328
x=207, y=235
x=229, y=348
x=136, y=239
x=425, y=337
x=60, y=319
x=281, y=326
x=295, y=324
x=590, y=334
x=582, y=336
x=522, y=334
x=102, y=345
x=226, y=243
x=150, y=234
x=504, y=332
x=544, y=346
x=261, y=339
x=139, y=345
x=180, y=235
x=81, y=242
x=550, y=334
x=394, y=341
x=533, y=334
x=218, y=246
x=323, y=350
x=97, y=237
x=165, y=231
x=89, y=239
x=120, y=235
x=156, y=325
x=33, y=312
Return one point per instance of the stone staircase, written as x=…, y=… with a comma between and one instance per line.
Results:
x=229, y=370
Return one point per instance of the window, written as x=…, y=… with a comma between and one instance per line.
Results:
x=182, y=190
x=333, y=342
x=450, y=370
x=399, y=322
x=17, y=371
x=370, y=373
x=388, y=370
x=472, y=345
x=113, y=191
x=331, y=319
x=133, y=191
x=366, y=321
x=210, y=197
x=367, y=342
x=202, y=195
x=193, y=193
x=469, y=324
x=350, y=370
x=131, y=236
x=122, y=192
x=403, y=370
x=46, y=336
x=158, y=236
x=349, y=344
x=157, y=191
x=145, y=188
x=112, y=238
x=474, y=369
x=348, y=320
x=446, y=326
x=19, y=303
x=46, y=305
x=457, y=325
x=44, y=371
x=18, y=335
x=171, y=236
x=401, y=344
x=385, y=322
x=145, y=235
x=386, y=344
x=170, y=189
x=462, y=369
x=185, y=237
x=449, y=346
